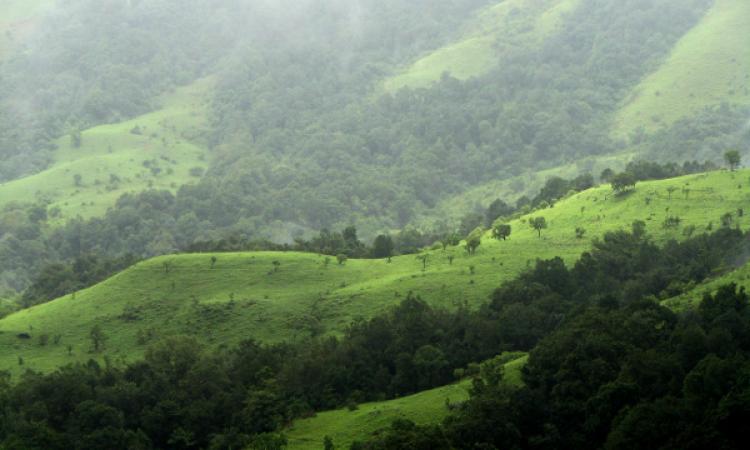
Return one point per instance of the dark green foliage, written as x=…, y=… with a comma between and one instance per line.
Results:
x=623, y=182
x=733, y=159
x=501, y=231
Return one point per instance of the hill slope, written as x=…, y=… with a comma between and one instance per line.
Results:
x=708, y=66
x=345, y=426
x=483, y=40
x=156, y=150
x=280, y=296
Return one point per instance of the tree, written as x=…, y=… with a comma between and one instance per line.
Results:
x=75, y=138
x=78, y=180
x=382, y=247
x=539, y=224
x=423, y=258
x=98, y=338
x=623, y=182
x=474, y=240
x=450, y=239
x=213, y=261
x=498, y=208
x=580, y=232
x=501, y=231
x=733, y=159
x=606, y=175
x=341, y=258
x=671, y=190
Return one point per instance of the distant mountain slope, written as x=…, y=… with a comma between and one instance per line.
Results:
x=710, y=65
x=480, y=49
x=278, y=296
x=157, y=150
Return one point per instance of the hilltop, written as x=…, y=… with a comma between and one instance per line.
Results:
x=282, y=296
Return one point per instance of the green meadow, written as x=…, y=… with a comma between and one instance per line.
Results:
x=345, y=426
x=286, y=296
x=159, y=150
x=708, y=66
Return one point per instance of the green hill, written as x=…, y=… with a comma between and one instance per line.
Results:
x=345, y=426
x=281, y=296
x=483, y=40
x=157, y=150
x=708, y=66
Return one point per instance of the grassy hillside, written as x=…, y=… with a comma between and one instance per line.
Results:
x=156, y=150
x=247, y=295
x=710, y=65
x=740, y=276
x=480, y=47
x=512, y=188
x=345, y=426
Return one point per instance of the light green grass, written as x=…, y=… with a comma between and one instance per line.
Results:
x=483, y=40
x=345, y=427
x=708, y=66
x=274, y=306
x=168, y=138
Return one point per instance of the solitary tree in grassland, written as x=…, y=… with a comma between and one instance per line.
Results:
x=539, y=224
x=76, y=139
x=423, y=258
x=501, y=231
x=606, y=175
x=213, y=261
x=671, y=190
x=473, y=240
x=97, y=338
x=733, y=159
x=341, y=258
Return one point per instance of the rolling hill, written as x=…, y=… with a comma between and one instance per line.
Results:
x=158, y=150
x=282, y=296
x=710, y=65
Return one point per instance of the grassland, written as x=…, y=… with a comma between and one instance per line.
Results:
x=708, y=66
x=345, y=426
x=246, y=295
x=482, y=41
x=157, y=150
